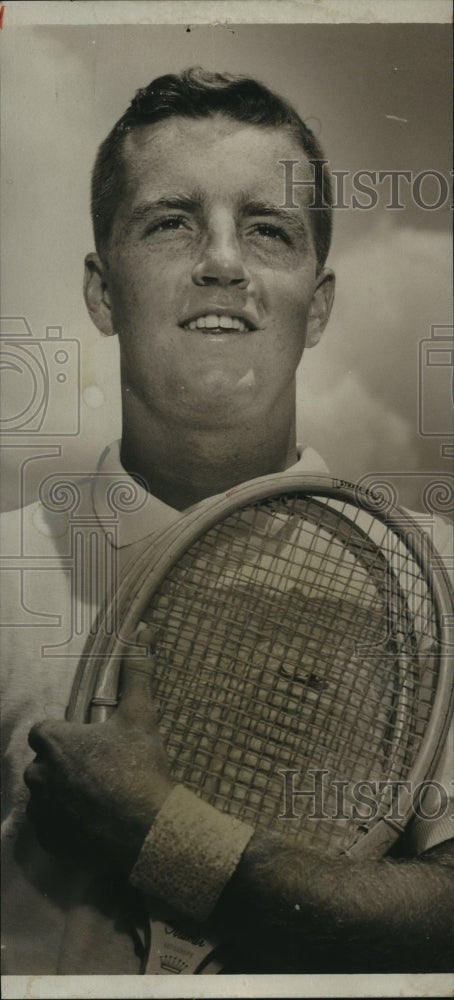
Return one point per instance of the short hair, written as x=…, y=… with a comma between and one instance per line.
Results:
x=198, y=93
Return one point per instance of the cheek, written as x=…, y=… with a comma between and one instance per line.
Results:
x=289, y=296
x=290, y=325
x=140, y=293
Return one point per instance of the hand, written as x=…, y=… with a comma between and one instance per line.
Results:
x=99, y=787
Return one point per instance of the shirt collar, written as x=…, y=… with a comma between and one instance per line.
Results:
x=120, y=500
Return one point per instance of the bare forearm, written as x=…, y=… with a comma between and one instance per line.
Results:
x=386, y=915
x=111, y=782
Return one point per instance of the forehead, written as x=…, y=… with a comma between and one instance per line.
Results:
x=222, y=157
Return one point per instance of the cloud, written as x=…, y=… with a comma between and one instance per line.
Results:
x=358, y=391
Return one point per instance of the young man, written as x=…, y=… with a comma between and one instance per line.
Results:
x=214, y=290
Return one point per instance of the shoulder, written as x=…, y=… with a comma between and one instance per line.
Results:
x=30, y=530
x=37, y=527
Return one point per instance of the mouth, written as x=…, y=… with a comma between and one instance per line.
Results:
x=219, y=323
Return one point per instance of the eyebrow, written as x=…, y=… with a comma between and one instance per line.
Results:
x=183, y=202
x=195, y=202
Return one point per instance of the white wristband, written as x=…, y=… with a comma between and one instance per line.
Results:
x=190, y=853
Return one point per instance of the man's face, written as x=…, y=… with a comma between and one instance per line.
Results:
x=211, y=285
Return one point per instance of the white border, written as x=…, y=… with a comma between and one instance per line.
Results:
x=21, y=13
x=67, y=12
x=86, y=987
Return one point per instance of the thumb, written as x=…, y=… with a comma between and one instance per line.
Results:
x=136, y=673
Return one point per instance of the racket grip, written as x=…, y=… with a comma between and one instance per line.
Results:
x=178, y=947
x=189, y=854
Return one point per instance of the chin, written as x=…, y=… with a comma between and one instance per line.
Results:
x=220, y=403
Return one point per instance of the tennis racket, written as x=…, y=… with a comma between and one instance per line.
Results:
x=304, y=630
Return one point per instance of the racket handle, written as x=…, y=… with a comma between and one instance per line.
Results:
x=179, y=948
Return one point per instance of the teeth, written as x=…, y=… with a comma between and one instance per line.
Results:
x=215, y=322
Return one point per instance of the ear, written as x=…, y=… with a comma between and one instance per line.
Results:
x=321, y=305
x=96, y=294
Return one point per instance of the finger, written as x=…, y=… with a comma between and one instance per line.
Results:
x=36, y=775
x=50, y=740
x=41, y=736
x=55, y=830
x=40, y=812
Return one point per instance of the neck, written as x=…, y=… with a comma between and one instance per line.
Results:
x=182, y=466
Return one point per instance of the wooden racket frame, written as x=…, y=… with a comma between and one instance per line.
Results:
x=95, y=689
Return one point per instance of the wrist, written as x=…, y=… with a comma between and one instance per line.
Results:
x=147, y=807
x=190, y=853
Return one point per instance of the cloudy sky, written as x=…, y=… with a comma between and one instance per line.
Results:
x=378, y=96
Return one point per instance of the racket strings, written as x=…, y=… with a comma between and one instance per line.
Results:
x=288, y=642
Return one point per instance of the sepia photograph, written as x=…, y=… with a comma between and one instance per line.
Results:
x=226, y=447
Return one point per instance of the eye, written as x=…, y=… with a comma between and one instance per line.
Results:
x=269, y=231
x=168, y=224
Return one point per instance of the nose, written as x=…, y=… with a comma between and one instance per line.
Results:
x=221, y=262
